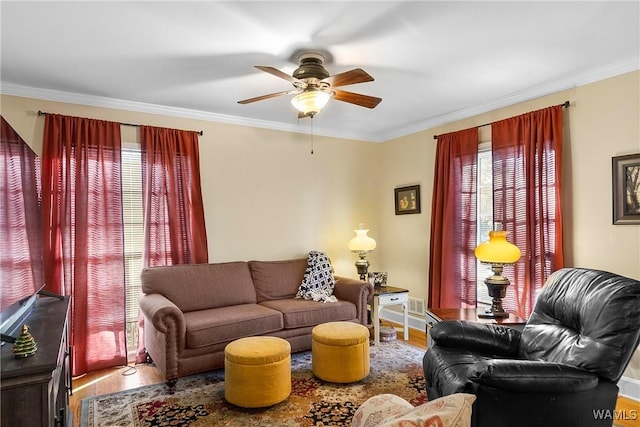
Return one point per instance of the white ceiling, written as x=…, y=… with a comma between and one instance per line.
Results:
x=433, y=62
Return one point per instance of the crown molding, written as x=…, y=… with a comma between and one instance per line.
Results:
x=7, y=88
x=549, y=88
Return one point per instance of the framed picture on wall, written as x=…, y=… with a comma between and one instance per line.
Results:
x=407, y=200
x=626, y=189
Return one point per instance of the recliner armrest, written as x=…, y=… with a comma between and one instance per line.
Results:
x=487, y=338
x=533, y=376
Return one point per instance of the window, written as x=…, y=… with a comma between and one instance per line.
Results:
x=133, y=237
x=485, y=218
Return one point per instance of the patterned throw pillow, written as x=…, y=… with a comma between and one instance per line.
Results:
x=388, y=410
x=318, y=282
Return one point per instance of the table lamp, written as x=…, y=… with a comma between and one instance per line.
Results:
x=362, y=244
x=497, y=252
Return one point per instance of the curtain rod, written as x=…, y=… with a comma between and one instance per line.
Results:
x=565, y=104
x=42, y=113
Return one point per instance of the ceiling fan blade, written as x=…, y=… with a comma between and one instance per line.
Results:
x=351, y=77
x=278, y=73
x=356, y=98
x=270, y=95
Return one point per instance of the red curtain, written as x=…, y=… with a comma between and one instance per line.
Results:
x=452, y=264
x=21, y=271
x=174, y=229
x=527, y=167
x=83, y=235
x=172, y=198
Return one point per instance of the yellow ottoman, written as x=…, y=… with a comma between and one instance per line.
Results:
x=257, y=371
x=340, y=352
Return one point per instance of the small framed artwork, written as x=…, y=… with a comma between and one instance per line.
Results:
x=407, y=200
x=626, y=189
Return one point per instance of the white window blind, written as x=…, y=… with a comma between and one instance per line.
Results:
x=133, y=236
x=485, y=218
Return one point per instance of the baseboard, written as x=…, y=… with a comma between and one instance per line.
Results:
x=629, y=388
x=396, y=317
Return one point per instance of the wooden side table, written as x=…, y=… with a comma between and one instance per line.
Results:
x=435, y=315
x=389, y=295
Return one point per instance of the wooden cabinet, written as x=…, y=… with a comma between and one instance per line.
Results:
x=35, y=390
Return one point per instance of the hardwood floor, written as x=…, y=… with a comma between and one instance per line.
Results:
x=416, y=337
x=109, y=381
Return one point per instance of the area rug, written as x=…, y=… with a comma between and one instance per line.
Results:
x=198, y=400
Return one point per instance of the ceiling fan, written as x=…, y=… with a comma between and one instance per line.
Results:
x=314, y=86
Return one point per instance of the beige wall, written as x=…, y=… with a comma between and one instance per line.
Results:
x=603, y=121
x=267, y=197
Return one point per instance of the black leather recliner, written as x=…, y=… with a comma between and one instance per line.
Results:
x=561, y=370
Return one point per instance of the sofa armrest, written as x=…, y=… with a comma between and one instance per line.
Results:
x=355, y=291
x=166, y=318
x=533, y=376
x=487, y=338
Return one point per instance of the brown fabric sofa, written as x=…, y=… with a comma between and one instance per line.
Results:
x=191, y=312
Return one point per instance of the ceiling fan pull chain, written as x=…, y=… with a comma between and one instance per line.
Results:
x=311, y=134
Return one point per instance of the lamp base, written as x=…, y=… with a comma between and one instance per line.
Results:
x=362, y=265
x=497, y=287
x=489, y=314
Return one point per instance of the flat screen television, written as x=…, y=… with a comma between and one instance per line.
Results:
x=12, y=317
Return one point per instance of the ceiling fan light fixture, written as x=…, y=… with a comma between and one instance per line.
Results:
x=310, y=102
x=314, y=85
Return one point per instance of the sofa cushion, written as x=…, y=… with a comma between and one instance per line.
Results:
x=277, y=279
x=194, y=287
x=298, y=313
x=218, y=325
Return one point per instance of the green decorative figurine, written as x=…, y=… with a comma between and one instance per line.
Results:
x=25, y=345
